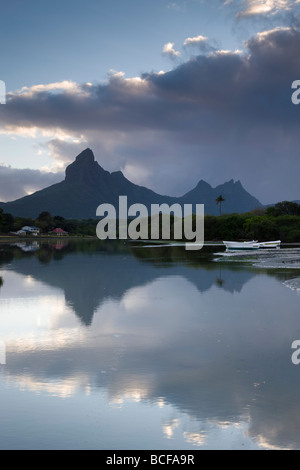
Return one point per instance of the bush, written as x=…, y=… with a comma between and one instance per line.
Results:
x=261, y=228
x=284, y=208
x=293, y=236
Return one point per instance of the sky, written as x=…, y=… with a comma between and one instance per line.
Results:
x=168, y=92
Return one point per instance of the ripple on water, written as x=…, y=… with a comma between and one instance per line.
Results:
x=284, y=258
x=293, y=284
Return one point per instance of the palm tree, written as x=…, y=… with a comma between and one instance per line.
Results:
x=219, y=201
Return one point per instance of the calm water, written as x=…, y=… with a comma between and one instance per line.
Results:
x=109, y=346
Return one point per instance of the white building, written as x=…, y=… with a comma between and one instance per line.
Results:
x=30, y=230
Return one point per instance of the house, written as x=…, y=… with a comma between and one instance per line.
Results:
x=27, y=231
x=58, y=231
x=30, y=230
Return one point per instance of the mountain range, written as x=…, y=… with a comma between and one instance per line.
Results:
x=87, y=185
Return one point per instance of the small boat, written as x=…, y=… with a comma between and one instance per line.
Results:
x=272, y=244
x=253, y=245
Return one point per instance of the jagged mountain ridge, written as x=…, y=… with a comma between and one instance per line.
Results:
x=87, y=185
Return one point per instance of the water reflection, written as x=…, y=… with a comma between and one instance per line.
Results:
x=168, y=330
x=90, y=273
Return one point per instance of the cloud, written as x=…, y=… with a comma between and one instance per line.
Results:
x=218, y=115
x=261, y=8
x=201, y=44
x=195, y=40
x=169, y=50
x=221, y=82
x=62, y=152
x=65, y=86
x=15, y=183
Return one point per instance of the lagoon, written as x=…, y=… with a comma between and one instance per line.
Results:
x=114, y=345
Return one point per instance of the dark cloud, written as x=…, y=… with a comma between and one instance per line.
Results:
x=216, y=116
x=15, y=183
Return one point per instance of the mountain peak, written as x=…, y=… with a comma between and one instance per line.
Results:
x=84, y=169
x=87, y=185
x=231, y=184
x=203, y=184
x=86, y=156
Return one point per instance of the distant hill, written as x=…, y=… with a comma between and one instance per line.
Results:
x=297, y=201
x=237, y=199
x=87, y=185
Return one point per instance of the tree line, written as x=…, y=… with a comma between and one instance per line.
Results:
x=278, y=222
x=46, y=223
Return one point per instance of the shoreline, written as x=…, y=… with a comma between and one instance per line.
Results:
x=14, y=238
x=46, y=237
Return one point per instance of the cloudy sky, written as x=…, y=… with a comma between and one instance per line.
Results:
x=169, y=92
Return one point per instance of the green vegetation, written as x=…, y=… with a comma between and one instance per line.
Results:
x=279, y=222
x=46, y=222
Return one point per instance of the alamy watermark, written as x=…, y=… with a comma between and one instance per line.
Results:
x=296, y=354
x=296, y=94
x=2, y=92
x=136, y=222
x=2, y=353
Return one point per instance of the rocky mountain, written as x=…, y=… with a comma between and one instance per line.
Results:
x=237, y=199
x=87, y=185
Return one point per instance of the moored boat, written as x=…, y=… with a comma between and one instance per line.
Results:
x=272, y=244
x=249, y=245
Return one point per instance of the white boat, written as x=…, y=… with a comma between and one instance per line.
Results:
x=272, y=244
x=253, y=245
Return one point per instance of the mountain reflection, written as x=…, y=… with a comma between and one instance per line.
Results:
x=162, y=328
x=91, y=272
